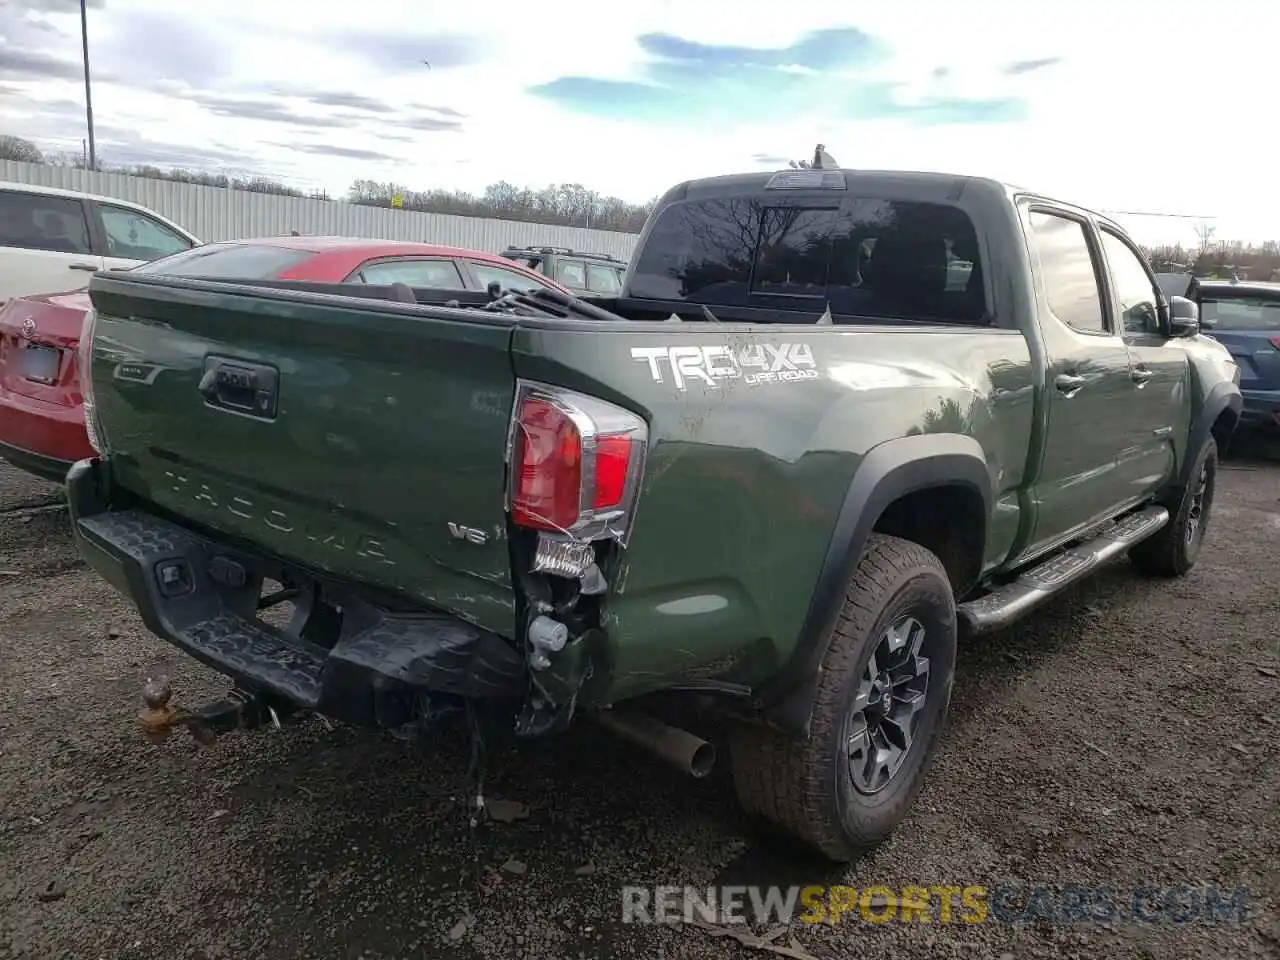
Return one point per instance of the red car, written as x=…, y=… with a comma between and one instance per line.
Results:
x=41, y=419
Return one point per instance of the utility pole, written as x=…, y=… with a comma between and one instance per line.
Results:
x=88, y=96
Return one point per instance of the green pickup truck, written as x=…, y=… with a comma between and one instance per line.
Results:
x=836, y=419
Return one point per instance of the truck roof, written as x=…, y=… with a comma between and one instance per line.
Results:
x=951, y=185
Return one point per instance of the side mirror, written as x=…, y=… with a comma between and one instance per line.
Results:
x=1184, y=317
x=494, y=290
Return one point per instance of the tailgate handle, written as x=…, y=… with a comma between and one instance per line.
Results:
x=237, y=386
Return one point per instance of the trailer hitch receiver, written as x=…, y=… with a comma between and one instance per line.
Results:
x=238, y=710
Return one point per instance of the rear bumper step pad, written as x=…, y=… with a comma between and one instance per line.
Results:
x=162, y=568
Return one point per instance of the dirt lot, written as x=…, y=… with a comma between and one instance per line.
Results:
x=1128, y=735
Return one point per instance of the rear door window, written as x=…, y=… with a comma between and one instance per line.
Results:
x=1068, y=272
x=879, y=259
x=432, y=274
x=34, y=221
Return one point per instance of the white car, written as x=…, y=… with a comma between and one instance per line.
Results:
x=52, y=240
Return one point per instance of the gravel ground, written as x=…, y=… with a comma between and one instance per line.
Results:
x=1126, y=735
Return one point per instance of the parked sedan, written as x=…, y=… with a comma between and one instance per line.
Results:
x=1245, y=318
x=41, y=419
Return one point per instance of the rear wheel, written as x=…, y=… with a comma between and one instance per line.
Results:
x=881, y=701
x=1173, y=550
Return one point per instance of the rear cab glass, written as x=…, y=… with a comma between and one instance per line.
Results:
x=866, y=257
x=233, y=261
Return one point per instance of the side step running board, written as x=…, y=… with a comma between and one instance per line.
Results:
x=1005, y=605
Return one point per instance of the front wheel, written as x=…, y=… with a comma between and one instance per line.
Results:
x=1173, y=550
x=882, y=697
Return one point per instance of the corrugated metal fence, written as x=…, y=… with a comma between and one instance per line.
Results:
x=214, y=213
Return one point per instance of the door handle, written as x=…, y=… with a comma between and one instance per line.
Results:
x=86, y=267
x=1068, y=383
x=1141, y=375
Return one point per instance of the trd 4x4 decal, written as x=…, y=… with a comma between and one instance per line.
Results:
x=716, y=364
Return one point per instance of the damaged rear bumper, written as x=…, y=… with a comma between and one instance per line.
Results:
x=371, y=672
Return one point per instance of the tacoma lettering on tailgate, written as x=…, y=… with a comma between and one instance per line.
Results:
x=362, y=545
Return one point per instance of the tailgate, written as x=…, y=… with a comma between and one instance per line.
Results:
x=362, y=438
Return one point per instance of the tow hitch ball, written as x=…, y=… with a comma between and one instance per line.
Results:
x=237, y=710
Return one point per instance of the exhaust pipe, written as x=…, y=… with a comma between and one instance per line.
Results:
x=680, y=748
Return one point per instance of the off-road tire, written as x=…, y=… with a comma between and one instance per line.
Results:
x=1168, y=553
x=801, y=785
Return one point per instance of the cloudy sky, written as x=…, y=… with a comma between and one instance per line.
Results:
x=1125, y=105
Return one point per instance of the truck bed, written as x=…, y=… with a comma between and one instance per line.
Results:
x=384, y=461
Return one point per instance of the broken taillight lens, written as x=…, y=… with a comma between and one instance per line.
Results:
x=575, y=463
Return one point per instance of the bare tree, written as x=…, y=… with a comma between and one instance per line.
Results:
x=1205, y=232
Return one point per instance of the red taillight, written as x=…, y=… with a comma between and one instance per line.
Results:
x=548, y=456
x=575, y=463
x=1275, y=342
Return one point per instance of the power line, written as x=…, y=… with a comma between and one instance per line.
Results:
x=1148, y=213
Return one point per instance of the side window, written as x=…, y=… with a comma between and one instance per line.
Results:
x=572, y=273
x=433, y=274
x=1070, y=280
x=135, y=236
x=1133, y=285
x=604, y=280
x=33, y=221
x=486, y=273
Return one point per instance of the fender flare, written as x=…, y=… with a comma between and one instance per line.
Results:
x=889, y=471
x=1223, y=396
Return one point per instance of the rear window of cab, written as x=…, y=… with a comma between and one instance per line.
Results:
x=867, y=257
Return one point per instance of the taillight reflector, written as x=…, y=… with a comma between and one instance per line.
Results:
x=575, y=463
x=613, y=457
x=84, y=374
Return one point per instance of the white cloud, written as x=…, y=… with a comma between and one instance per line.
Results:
x=1151, y=107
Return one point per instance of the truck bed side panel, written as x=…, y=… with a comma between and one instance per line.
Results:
x=746, y=477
